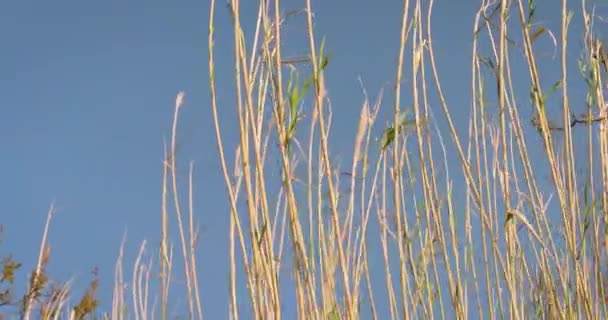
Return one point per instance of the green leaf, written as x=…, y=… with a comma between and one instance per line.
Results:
x=531, y=10
x=387, y=138
x=296, y=95
x=405, y=124
x=539, y=31
x=322, y=49
x=554, y=87
x=306, y=86
x=325, y=61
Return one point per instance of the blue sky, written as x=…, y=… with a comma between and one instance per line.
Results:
x=86, y=99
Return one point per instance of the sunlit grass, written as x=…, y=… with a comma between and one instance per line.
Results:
x=473, y=232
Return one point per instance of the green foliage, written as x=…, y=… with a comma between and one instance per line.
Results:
x=296, y=94
x=405, y=124
x=531, y=10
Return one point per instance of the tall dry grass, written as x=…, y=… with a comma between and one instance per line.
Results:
x=491, y=240
x=500, y=254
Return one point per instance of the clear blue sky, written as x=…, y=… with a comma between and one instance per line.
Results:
x=86, y=98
